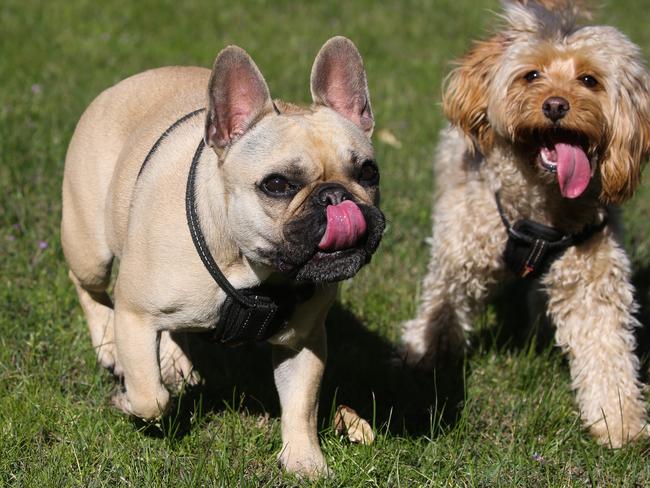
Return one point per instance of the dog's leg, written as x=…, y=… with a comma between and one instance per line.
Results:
x=465, y=253
x=90, y=261
x=98, y=309
x=136, y=339
x=436, y=337
x=298, y=375
x=592, y=305
x=298, y=370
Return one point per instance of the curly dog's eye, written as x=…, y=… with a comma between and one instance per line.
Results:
x=531, y=76
x=588, y=81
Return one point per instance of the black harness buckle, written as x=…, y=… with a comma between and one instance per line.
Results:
x=532, y=247
x=269, y=311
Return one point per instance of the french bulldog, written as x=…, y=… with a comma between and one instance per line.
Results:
x=168, y=180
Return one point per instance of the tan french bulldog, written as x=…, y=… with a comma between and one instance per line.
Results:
x=176, y=185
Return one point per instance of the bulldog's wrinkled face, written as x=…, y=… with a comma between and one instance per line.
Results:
x=303, y=188
x=301, y=184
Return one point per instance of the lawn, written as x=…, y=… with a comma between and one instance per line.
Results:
x=518, y=427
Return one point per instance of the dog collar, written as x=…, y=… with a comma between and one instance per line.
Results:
x=532, y=247
x=250, y=314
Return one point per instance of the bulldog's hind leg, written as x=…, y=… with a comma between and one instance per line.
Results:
x=90, y=263
x=137, y=342
x=98, y=309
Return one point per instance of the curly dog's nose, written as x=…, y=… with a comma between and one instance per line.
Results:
x=555, y=108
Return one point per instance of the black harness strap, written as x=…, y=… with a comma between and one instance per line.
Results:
x=532, y=247
x=197, y=235
x=251, y=314
x=164, y=135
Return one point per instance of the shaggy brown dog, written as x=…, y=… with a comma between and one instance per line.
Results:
x=552, y=119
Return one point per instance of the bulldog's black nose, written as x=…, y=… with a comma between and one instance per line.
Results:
x=332, y=194
x=555, y=108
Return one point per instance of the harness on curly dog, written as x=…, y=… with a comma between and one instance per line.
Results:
x=250, y=314
x=532, y=247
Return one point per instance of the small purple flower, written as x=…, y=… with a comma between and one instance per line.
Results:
x=11, y=238
x=37, y=88
x=537, y=457
x=16, y=226
x=42, y=245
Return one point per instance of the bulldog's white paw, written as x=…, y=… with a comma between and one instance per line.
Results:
x=307, y=462
x=145, y=407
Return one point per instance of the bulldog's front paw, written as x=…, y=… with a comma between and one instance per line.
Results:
x=145, y=407
x=305, y=462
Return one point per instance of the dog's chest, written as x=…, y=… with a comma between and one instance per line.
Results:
x=198, y=311
x=180, y=292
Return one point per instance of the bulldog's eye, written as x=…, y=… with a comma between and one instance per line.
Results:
x=278, y=186
x=369, y=174
x=588, y=81
x=531, y=76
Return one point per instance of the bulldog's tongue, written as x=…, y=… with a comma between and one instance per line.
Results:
x=573, y=170
x=345, y=225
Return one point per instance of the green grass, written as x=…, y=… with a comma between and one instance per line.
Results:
x=519, y=426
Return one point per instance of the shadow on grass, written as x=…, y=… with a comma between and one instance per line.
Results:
x=363, y=372
x=521, y=318
x=641, y=281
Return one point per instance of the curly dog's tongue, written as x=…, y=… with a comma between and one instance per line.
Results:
x=573, y=170
x=345, y=225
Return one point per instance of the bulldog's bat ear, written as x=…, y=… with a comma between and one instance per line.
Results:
x=338, y=81
x=237, y=97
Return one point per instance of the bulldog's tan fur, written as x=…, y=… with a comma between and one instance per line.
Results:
x=162, y=286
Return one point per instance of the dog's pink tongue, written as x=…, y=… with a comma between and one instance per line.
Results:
x=345, y=225
x=573, y=170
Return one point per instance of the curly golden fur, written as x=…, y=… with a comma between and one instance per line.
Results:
x=542, y=84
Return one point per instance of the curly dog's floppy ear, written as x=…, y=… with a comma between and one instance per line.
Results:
x=629, y=141
x=465, y=101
